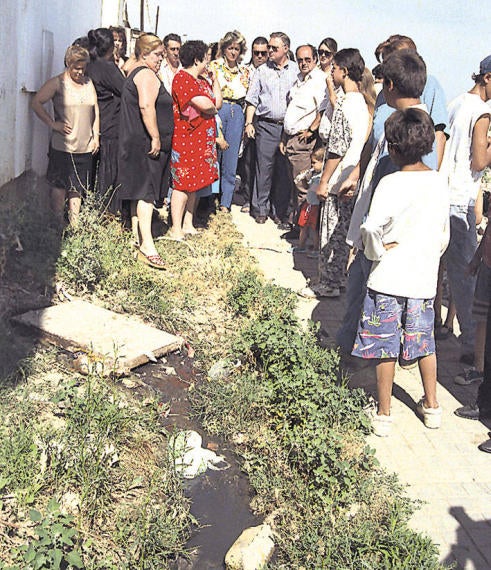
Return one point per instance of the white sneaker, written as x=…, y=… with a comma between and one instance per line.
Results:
x=381, y=424
x=432, y=417
x=317, y=292
x=307, y=293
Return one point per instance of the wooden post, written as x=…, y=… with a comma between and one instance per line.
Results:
x=157, y=20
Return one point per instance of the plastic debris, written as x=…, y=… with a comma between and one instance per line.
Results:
x=190, y=459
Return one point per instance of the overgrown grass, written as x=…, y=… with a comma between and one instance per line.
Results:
x=298, y=428
x=188, y=298
x=81, y=459
x=301, y=433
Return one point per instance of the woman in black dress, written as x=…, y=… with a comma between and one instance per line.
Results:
x=108, y=82
x=145, y=135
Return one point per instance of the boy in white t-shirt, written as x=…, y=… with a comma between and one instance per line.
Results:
x=404, y=234
x=467, y=153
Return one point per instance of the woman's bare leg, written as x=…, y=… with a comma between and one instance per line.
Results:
x=74, y=204
x=134, y=221
x=191, y=205
x=178, y=205
x=57, y=202
x=144, y=211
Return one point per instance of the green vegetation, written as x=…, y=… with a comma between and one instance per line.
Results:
x=301, y=433
x=86, y=481
x=84, y=476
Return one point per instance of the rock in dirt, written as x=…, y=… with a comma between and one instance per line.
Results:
x=252, y=550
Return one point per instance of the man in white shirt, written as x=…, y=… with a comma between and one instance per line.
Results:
x=171, y=64
x=306, y=101
x=467, y=153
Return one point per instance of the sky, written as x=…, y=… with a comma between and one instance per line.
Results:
x=451, y=36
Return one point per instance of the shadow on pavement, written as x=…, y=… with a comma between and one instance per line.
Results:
x=471, y=537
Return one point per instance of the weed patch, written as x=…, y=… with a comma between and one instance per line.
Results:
x=301, y=434
x=85, y=475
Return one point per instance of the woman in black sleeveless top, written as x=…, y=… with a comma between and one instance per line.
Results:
x=145, y=135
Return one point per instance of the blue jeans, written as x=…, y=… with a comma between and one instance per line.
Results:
x=461, y=248
x=356, y=289
x=232, y=117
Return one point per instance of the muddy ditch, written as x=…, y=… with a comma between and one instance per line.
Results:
x=219, y=499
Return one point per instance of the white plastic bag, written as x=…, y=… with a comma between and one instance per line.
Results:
x=189, y=458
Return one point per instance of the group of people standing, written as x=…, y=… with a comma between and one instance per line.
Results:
x=316, y=150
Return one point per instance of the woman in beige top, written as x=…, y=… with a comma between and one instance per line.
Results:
x=75, y=131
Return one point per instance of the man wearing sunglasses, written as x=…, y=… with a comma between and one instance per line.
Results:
x=247, y=162
x=306, y=101
x=267, y=99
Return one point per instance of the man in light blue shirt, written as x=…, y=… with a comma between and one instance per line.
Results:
x=267, y=100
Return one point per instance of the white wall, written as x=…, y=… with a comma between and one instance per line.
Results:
x=34, y=35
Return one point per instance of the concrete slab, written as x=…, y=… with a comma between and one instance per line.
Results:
x=114, y=343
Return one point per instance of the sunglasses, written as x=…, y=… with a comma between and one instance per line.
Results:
x=274, y=48
x=258, y=53
x=324, y=52
x=302, y=59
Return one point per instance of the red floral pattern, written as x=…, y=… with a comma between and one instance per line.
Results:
x=194, y=155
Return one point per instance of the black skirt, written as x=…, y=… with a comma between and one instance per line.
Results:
x=72, y=172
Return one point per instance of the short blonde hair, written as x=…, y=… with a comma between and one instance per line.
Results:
x=146, y=43
x=76, y=54
x=228, y=39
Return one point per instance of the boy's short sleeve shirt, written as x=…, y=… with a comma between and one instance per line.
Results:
x=434, y=99
x=410, y=209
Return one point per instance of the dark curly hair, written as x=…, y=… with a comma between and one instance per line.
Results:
x=351, y=60
x=410, y=134
x=191, y=51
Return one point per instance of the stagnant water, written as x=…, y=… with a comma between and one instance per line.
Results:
x=220, y=499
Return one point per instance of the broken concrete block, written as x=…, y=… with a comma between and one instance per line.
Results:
x=103, y=341
x=252, y=550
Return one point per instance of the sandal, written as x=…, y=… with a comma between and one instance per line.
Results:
x=154, y=261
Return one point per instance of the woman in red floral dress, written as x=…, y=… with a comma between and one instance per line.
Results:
x=194, y=155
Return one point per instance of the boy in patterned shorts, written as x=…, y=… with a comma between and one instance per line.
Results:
x=404, y=234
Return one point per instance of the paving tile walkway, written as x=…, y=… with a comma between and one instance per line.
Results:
x=443, y=468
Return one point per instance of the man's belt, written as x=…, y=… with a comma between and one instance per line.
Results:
x=268, y=120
